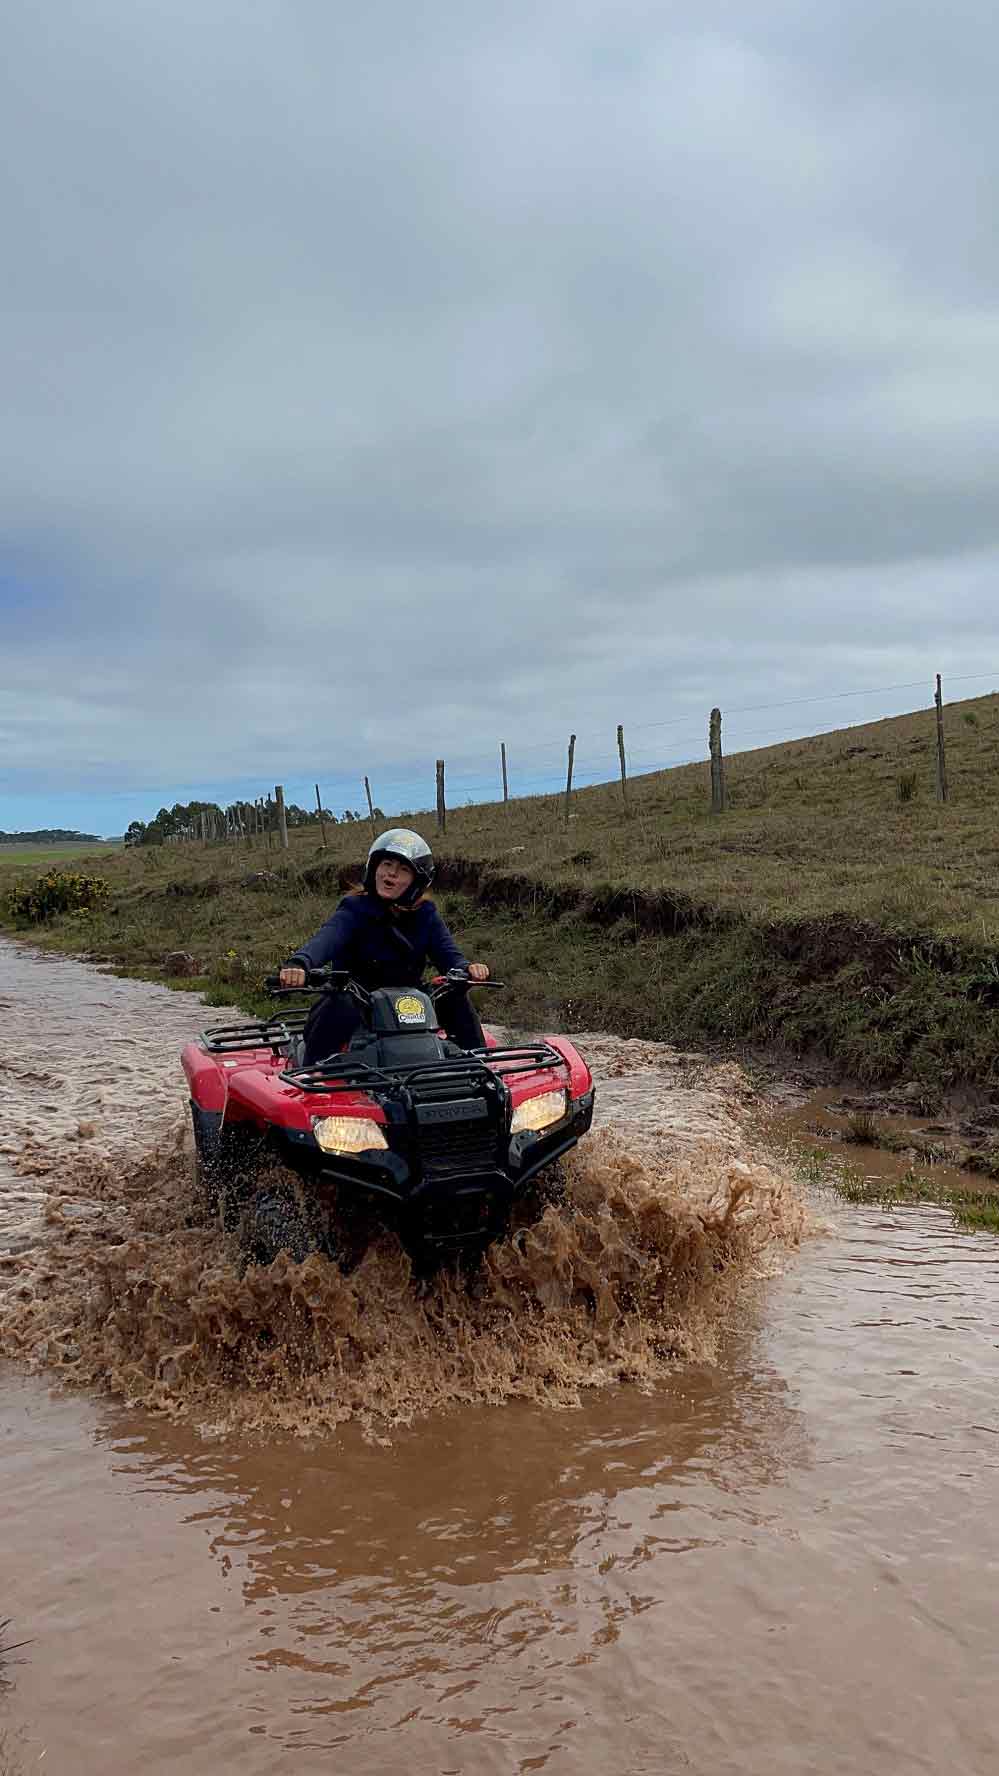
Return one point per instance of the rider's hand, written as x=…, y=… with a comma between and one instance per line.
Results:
x=477, y=971
x=291, y=977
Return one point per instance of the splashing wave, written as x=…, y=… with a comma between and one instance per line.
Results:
x=639, y=1264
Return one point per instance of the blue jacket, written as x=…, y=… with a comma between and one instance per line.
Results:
x=378, y=947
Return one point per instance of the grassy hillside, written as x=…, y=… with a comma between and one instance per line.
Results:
x=836, y=905
x=814, y=827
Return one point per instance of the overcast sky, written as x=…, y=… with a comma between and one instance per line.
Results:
x=381, y=382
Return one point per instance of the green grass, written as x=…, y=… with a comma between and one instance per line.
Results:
x=820, y=912
x=28, y=857
x=972, y=1205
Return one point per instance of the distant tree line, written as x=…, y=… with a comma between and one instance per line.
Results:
x=185, y=820
x=50, y=835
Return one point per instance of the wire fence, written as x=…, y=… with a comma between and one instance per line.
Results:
x=529, y=768
x=538, y=767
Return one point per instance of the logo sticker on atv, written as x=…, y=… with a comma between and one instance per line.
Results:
x=411, y=1011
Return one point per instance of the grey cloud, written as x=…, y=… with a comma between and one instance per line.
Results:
x=345, y=350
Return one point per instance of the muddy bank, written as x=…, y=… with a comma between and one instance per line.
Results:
x=880, y=1005
x=958, y=1134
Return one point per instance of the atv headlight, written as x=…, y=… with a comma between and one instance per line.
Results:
x=348, y=1134
x=539, y=1113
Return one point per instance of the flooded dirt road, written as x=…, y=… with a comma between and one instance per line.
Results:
x=88, y=1064
x=782, y=1560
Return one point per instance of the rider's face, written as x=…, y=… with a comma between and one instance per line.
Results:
x=392, y=878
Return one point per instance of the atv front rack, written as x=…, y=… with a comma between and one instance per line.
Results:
x=340, y=1073
x=443, y=1078
x=524, y=1059
x=275, y=1033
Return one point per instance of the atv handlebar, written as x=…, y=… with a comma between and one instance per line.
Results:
x=457, y=977
x=315, y=980
x=337, y=980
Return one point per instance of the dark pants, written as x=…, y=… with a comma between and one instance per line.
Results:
x=334, y=1018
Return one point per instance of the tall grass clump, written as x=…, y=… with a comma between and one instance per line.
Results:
x=906, y=786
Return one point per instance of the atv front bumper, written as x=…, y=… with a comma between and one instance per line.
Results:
x=452, y=1195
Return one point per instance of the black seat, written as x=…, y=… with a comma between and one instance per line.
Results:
x=399, y=1051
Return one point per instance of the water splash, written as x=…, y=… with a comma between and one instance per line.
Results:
x=639, y=1264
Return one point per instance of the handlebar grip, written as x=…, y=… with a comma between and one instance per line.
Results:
x=441, y=983
x=315, y=980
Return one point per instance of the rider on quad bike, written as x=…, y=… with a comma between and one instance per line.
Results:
x=384, y=934
x=385, y=1105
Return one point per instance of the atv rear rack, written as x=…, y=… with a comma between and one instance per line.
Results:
x=468, y=1072
x=275, y=1033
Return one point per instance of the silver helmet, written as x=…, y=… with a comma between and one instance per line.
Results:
x=409, y=848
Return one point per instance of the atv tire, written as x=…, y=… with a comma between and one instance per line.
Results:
x=225, y=1161
x=274, y=1222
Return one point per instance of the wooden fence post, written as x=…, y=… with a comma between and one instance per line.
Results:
x=568, y=776
x=717, y=764
x=941, y=746
x=371, y=806
x=282, y=818
x=441, y=805
x=624, y=768
x=506, y=786
x=319, y=811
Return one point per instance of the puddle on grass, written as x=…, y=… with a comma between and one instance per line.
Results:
x=827, y=1127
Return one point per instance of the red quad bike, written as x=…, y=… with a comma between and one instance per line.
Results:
x=402, y=1129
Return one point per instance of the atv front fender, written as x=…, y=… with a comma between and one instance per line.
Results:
x=580, y=1077
x=209, y=1089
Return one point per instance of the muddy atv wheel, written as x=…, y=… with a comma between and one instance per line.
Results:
x=274, y=1222
x=225, y=1163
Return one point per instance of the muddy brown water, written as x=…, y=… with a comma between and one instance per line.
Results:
x=822, y=1125
x=784, y=1559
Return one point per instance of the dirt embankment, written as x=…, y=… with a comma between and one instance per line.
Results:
x=881, y=1006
